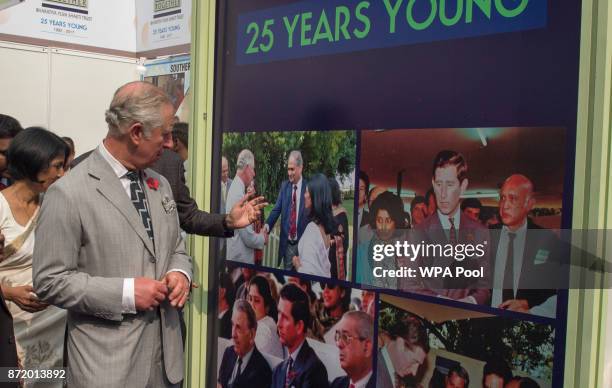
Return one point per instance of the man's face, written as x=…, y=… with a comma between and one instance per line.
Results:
x=332, y=296
x=376, y=191
x=493, y=381
x=294, y=171
x=289, y=332
x=473, y=213
x=406, y=359
x=362, y=193
x=454, y=381
x=249, y=173
x=419, y=213
x=448, y=189
x=149, y=150
x=242, y=335
x=367, y=297
x=514, y=205
x=353, y=351
x=224, y=170
x=4, y=145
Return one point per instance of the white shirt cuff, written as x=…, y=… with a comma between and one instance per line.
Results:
x=183, y=272
x=128, y=303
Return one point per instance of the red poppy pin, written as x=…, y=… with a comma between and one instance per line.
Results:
x=292, y=375
x=152, y=183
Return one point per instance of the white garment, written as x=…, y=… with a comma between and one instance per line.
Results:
x=241, y=247
x=39, y=336
x=267, y=339
x=314, y=255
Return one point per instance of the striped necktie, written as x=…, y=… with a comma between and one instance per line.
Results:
x=139, y=200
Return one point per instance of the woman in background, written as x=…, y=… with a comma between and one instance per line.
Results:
x=313, y=247
x=340, y=236
x=386, y=220
x=260, y=298
x=36, y=159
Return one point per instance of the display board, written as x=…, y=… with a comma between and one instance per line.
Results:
x=442, y=124
x=173, y=75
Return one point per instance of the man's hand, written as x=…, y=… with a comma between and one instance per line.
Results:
x=24, y=297
x=245, y=212
x=518, y=305
x=297, y=263
x=149, y=293
x=266, y=237
x=179, y=287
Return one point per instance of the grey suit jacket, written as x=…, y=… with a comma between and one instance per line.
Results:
x=89, y=238
x=192, y=219
x=242, y=246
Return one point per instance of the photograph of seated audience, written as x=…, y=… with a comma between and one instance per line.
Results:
x=242, y=365
x=469, y=202
x=330, y=310
x=459, y=347
x=308, y=224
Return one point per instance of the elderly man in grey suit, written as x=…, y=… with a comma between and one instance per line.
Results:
x=242, y=246
x=109, y=250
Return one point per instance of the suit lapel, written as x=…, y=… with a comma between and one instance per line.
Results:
x=110, y=187
x=157, y=212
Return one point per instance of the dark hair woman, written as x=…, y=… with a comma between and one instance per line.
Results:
x=264, y=305
x=36, y=159
x=386, y=220
x=340, y=236
x=313, y=247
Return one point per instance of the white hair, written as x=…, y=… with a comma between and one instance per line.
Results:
x=245, y=158
x=136, y=102
x=297, y=157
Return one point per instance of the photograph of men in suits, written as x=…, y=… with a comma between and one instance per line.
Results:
x=290, y=207
x=243, y=365
x=402, y=356
x=302, y=368
x=448, y=225
x=106, y=233
x=354, y=338
x=524, y=253
x=241, y=247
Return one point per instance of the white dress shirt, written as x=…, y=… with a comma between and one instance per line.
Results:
x=363, y=382
x=243, y=365
x=446, y=225
x=128, y=300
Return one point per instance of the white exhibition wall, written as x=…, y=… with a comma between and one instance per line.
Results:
x=62, y=90
x=137, y=26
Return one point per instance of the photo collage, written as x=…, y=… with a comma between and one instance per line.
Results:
x=323, y=291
